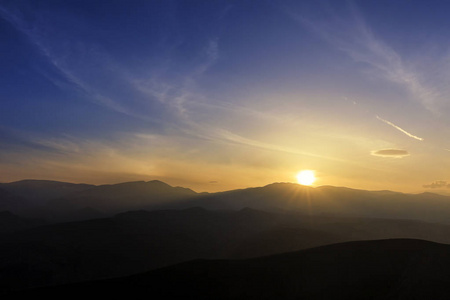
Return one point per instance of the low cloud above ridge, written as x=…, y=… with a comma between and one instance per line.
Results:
x=437, y=185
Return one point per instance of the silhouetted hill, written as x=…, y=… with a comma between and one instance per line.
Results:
x=37, y=192
x=123, y=196
x=382, y=269
x=138, y=241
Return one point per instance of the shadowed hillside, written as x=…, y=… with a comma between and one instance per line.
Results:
x=138, y=241
x=382, y=269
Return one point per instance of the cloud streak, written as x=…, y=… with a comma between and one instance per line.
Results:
x=400, y=129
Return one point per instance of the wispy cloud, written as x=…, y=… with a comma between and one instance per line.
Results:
x=353, y=36
x=178, y=94
x=35, y=33
x=395, y=153
x=212, y=55
x=400, y=129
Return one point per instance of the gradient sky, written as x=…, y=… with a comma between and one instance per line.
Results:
x=217, y=95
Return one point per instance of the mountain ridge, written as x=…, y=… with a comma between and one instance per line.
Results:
x=159, y=181
x=156, y=195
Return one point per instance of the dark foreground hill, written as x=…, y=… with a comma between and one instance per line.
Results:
x=139, y=241
x=135, y=242
x=382, y=269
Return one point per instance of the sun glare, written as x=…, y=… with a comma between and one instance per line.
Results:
x=306, y=177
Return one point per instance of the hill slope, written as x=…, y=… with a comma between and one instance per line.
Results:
x=382, y=269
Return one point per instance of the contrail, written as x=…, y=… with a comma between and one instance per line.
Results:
x=398, y=128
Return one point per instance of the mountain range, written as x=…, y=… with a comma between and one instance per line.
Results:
x=60, y=201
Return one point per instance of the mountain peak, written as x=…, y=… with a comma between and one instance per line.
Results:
x=157, y=182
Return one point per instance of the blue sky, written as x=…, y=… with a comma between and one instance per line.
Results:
x=215, y=95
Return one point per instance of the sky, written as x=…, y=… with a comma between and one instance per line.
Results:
x=219, y=95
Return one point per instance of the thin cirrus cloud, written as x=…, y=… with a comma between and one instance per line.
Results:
x=178, y=96
x=400, y=129
x=394, y=153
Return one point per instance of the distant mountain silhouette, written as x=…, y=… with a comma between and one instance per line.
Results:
x=138, y=241
x=329, y=200
x=66, y=201
x=38, y=192
x=61, y=201
x=382, y=269
x=123, y=196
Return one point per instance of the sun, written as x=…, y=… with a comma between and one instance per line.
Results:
x=306, y=177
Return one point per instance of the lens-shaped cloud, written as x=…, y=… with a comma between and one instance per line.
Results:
x=396, y=153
